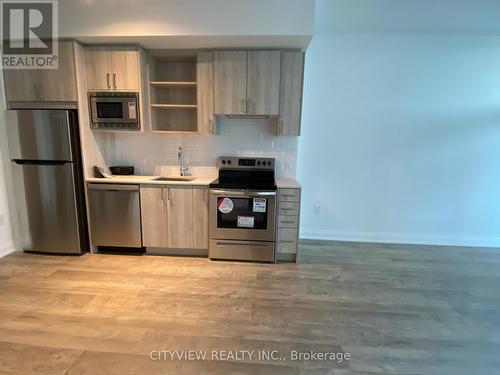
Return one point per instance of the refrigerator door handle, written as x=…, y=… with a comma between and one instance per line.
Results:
x=40, y=162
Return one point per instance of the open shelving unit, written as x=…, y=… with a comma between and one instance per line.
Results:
x=172, y=85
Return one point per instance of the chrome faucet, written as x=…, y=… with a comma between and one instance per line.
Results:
x=183, y=167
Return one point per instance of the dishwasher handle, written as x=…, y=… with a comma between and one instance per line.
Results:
x=113, y=187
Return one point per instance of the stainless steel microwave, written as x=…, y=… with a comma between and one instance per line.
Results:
x=114, y=110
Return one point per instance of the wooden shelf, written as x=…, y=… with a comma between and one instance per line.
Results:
x=179, y=84
x=174, y=106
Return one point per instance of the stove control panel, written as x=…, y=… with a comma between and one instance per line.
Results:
x=234, y=162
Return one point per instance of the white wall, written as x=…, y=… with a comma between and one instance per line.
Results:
x=155, y=153
x=401, y=137
x=189, y=23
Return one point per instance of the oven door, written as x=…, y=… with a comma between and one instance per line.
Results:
x=113, y=110
x=242, y=215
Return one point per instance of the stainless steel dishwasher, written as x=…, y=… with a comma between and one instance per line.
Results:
x=115, y=215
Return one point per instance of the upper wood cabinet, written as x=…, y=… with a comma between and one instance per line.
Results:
x=247, y=82
x=43, y=85
x=113, y=68
x=263, y=82
x=292, y=77
x=205, y=92
x=230, y=82
x=174, y=217
x=260, y=83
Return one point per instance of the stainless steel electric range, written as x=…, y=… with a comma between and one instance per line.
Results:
x=242, y=210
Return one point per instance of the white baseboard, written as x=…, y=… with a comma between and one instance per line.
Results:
x=6, y=250
x=399, y=238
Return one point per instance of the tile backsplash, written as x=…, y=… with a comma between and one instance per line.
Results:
x=155, y=154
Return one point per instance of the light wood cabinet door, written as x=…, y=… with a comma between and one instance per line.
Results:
x=292, y=77
x=205, y=92
x=112, y=69
x=200, y=217
x=22, y=85
x=263, y=82
x=230, y=82
x=125, y=70
x=99, y=66
x=44, y=85
x=180, y=217
x=154, y=216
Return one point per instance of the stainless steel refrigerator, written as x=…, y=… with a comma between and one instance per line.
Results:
x=45, y=149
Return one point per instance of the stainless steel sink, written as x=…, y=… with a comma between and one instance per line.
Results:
x=179, y=178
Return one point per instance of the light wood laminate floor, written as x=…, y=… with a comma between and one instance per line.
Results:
x=395, y=309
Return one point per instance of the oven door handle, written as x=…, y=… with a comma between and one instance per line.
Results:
x=243, y=193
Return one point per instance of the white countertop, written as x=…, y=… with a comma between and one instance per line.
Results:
x=282, y=183
x=288, y=183
x=149, y=180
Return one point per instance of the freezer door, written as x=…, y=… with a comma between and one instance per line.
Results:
x=52, y=207
x=40, y=135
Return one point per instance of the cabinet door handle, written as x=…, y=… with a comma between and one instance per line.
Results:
x=162, y=194
x=211, y=126
x=287, y=221
x=205, y=196
x=114, y=81
x=169, y=196
x=107, y=80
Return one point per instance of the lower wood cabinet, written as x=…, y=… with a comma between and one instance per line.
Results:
x=200, y=219
x=287, y=232
x=154, y=216
x=174, y=217
x=180, y=217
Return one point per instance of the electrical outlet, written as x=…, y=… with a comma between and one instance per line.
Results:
x=2, y=220
x=316, y=210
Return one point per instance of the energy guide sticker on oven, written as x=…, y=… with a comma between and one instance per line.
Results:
x=246, y=221
x=259, y=205
x=226, y=205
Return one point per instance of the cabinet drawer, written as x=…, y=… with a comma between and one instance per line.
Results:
x=289, y=208
x=289, y=195
x=287, y=240
x=288, y=221
x=287, y=235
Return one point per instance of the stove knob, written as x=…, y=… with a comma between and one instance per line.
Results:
x=269, y=163
x=229, y=162
x=258, y=163
x=223, y=162
x=264, y=163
